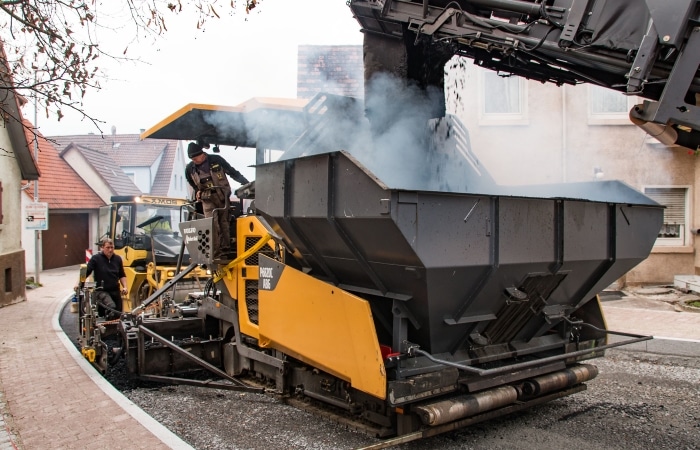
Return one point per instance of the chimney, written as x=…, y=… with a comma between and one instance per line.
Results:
x=114, y=134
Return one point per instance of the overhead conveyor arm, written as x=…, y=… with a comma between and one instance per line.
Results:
x=645, y=48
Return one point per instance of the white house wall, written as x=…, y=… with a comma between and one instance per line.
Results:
x=11, y=252
x=28, y=239
x=142, y=177
x=178, y=185
x=11, y=178
x=516, y=154
x=79, y=164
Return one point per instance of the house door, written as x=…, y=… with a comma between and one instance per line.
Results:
x=64, y=243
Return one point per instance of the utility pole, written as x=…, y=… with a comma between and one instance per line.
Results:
x=37, y=233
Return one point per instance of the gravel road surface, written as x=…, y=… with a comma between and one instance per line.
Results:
x=638, y=401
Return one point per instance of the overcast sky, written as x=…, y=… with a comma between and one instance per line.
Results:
x=234, y=59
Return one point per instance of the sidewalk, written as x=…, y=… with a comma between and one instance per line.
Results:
x=675, y=332
x=52, y=398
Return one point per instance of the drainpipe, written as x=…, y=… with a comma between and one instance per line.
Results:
x=563, y=134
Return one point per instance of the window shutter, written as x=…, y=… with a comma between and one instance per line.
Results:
x=673, y=199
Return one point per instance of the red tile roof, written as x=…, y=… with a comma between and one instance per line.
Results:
x=125, y=149
x=108, y=169
x=59, y=185
x=13, y=122
x=128, y=150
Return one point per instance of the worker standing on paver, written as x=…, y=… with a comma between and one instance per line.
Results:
x=207, y=176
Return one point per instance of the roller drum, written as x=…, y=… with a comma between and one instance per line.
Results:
x=445, y=411
x=559, y=380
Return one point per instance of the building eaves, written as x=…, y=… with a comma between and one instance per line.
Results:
x=14, y=123
x=59, y=185
x=107, y=169
x=127, y=150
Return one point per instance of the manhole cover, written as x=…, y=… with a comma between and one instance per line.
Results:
x=654, y=291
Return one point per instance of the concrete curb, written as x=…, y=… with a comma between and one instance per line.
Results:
x=683, y=305
x=160, y=431
x=662, y=345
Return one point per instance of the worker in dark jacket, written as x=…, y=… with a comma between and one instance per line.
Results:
x=207, y=176
x=110, y=279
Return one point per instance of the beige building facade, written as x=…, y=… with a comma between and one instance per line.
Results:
x=526, y=132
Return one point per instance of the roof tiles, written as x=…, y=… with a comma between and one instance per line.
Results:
x=108, y=169
x=126, y=150
x=161, y=183
x=59, y=185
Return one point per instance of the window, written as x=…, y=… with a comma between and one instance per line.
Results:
x=608, y=107
x=675, y=227
x=503, y=99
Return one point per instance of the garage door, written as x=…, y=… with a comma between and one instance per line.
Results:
x=64, y=243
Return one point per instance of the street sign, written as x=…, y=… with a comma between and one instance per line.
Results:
x=36, y=216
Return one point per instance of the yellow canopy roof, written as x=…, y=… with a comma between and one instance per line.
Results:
x=258, y=122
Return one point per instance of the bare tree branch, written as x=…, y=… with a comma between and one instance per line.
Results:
x=53, y=46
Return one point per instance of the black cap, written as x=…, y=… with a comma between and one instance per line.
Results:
x=194, y=149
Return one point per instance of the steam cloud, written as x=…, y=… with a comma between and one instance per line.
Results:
x=399, y=135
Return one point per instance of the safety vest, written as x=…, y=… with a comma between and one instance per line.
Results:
x=213, y=186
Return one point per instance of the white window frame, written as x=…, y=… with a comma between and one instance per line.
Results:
x=609, y=118
x=513, y=118
x=683, y=240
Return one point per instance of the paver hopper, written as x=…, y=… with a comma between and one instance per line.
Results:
x=448, y=270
